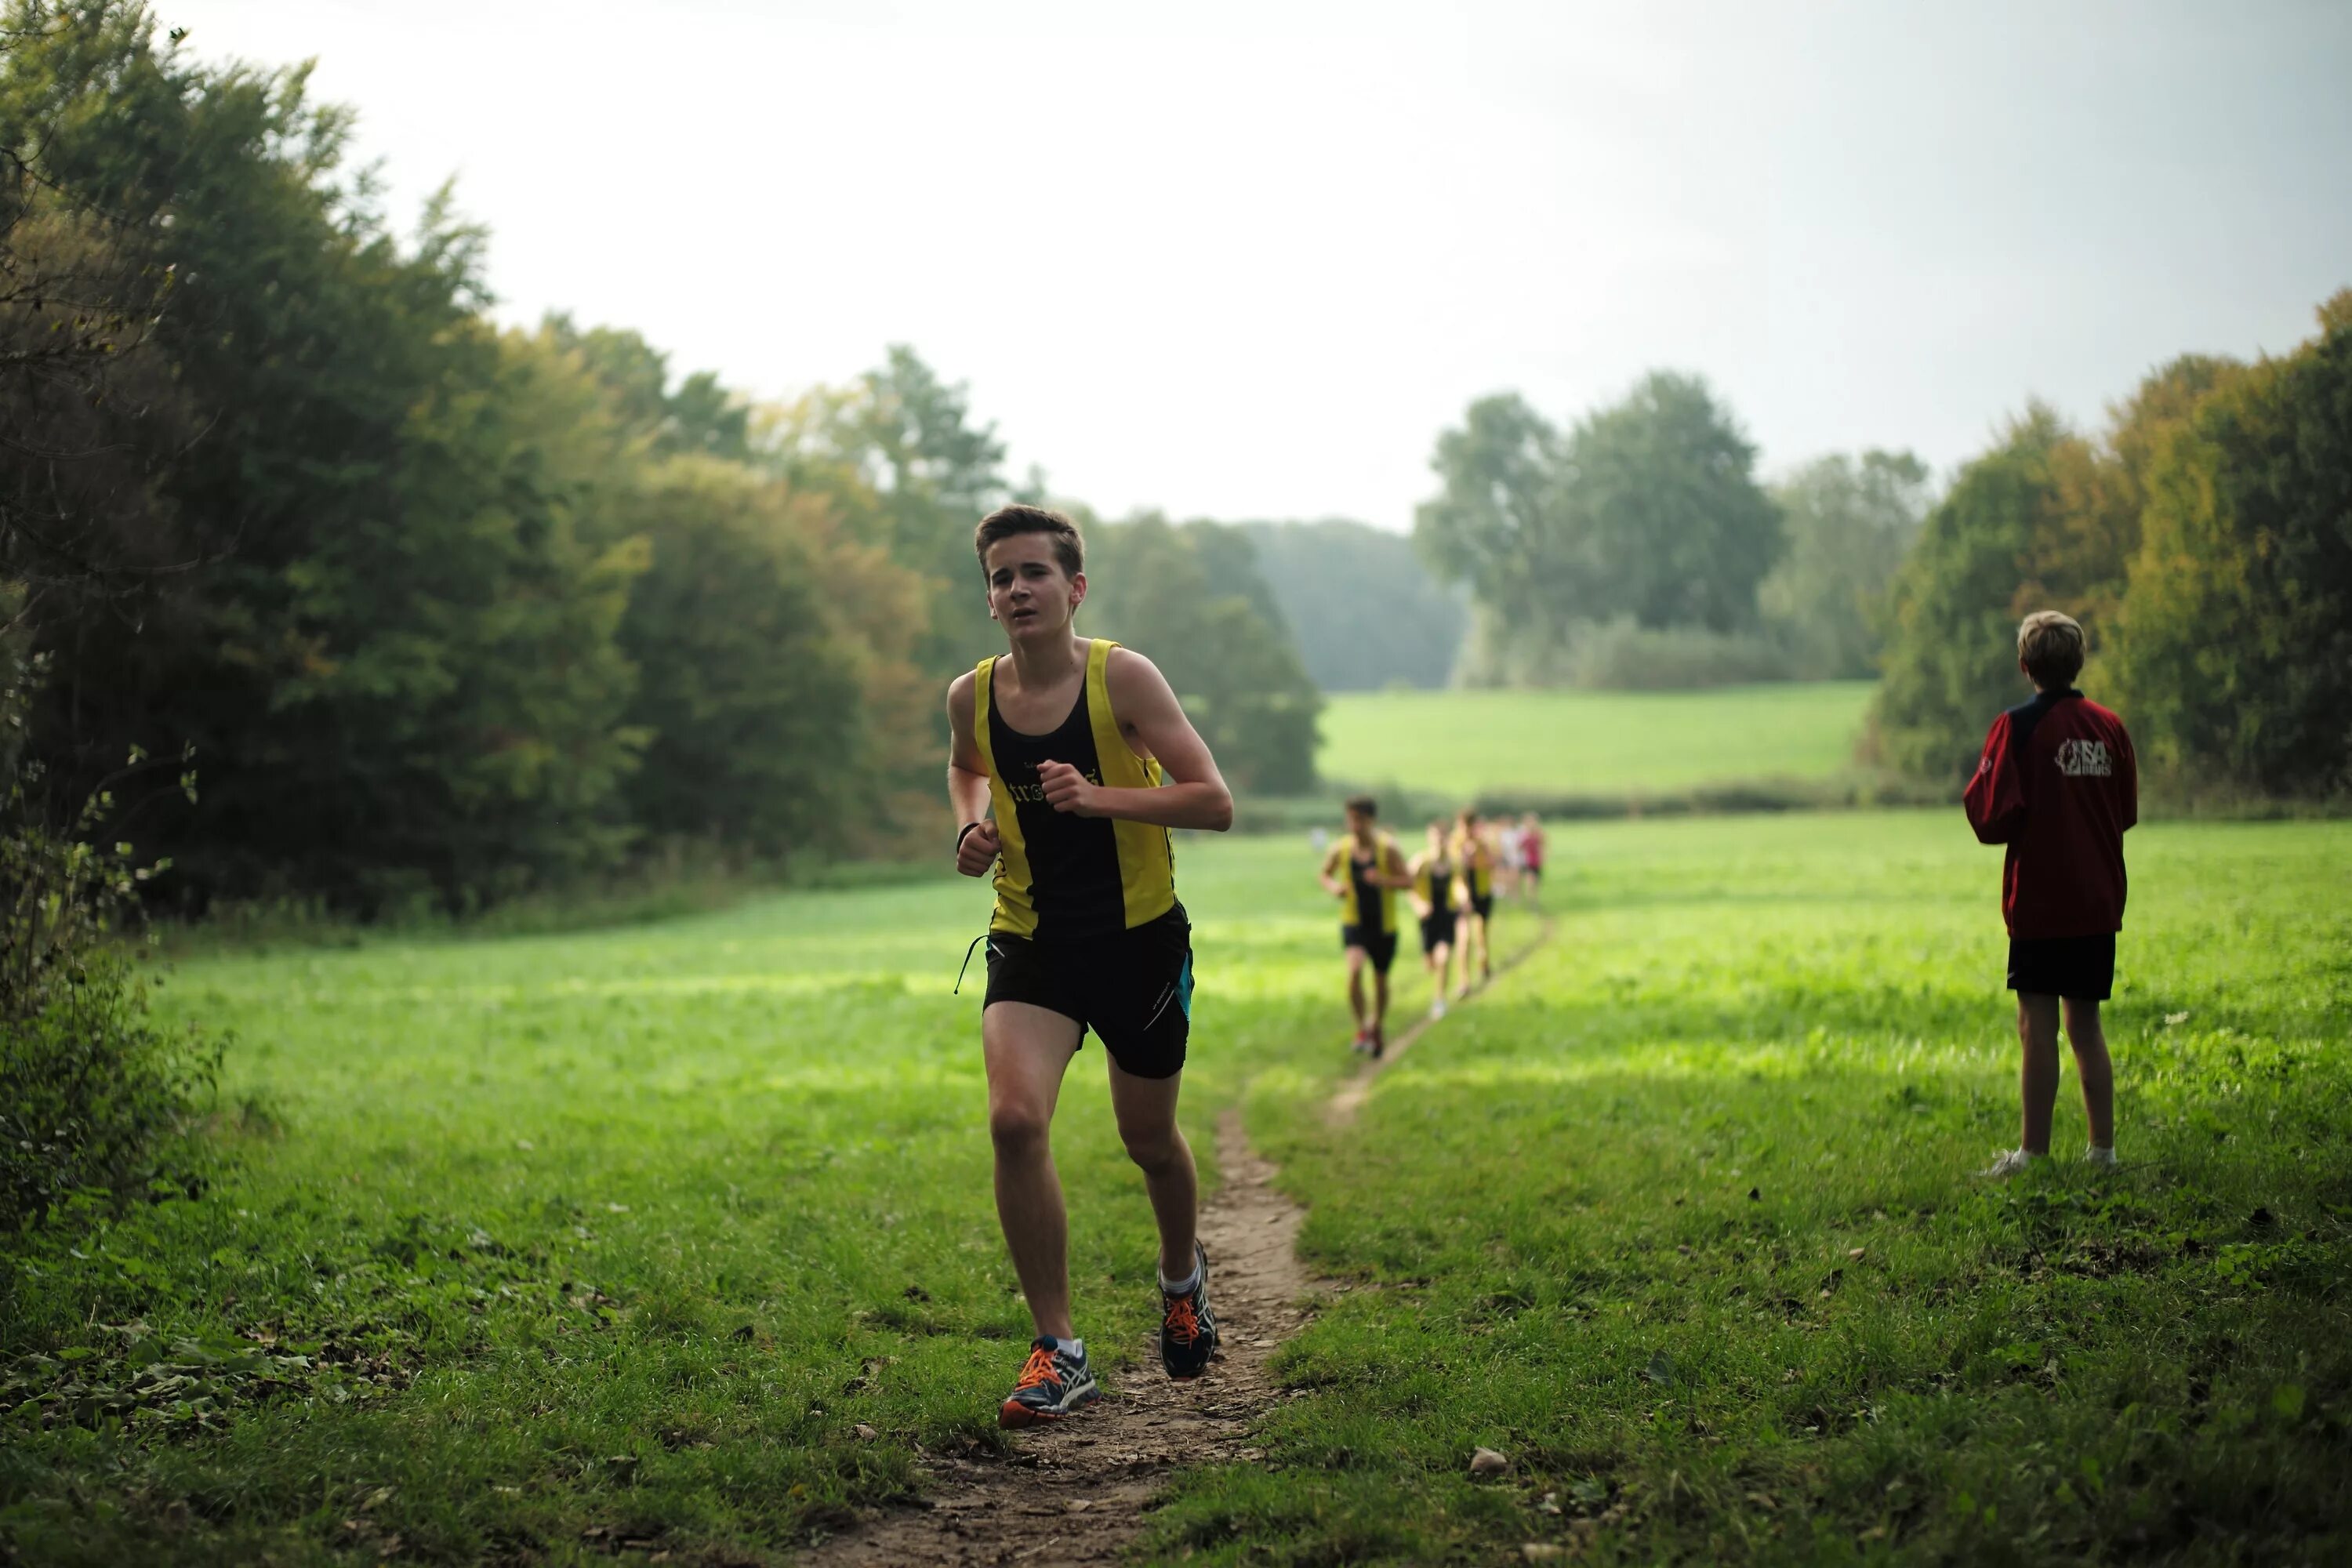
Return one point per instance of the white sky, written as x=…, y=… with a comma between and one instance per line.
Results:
x=1246, y=261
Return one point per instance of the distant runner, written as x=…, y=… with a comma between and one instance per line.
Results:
x=1070, y=761
x=1475, y=855
x=1432, y=900
x=1364, y=871
x=1531, y=859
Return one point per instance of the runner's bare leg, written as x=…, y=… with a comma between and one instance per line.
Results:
x=1027, y=1048
x=1145, y=1108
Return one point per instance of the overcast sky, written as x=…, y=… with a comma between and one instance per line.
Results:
x=1247, y=260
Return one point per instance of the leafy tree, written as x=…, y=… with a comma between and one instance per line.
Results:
x=1367, y=611
x=388, y=630
x=1648, y=510
x=900, y=455
x=2237, y=624
x=1499, y=522
x=1950, y=659
x=1191, y=598
x=773, y=652
x=1665, y=509
x=1850, y=524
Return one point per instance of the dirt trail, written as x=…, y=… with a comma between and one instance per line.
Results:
x=1075, y=1493
x=1349, y=1099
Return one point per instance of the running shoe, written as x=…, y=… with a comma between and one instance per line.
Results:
x=1362, y=1042
x=1054, y=1382
x=1188, y=1330
x=2104, y=1159
x=1436, y=1009
x=1379, y=1045
x=2008, y=1163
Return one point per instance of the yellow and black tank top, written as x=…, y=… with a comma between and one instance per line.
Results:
x=1432, y=882
x=1366, y=905
x=1063, y=876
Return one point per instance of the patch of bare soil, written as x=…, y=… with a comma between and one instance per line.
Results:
x=1076, y=1492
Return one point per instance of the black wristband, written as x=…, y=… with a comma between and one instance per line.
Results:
x=967, y=829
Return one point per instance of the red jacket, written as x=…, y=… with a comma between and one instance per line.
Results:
x=2058, y=784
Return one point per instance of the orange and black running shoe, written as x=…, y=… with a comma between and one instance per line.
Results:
x=1188, y=1330
x=1052, y=1384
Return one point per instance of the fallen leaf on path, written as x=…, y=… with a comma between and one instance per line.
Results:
x=1488, y=1462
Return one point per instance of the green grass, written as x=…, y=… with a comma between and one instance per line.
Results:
x=560, y=1242
x=1590, y=742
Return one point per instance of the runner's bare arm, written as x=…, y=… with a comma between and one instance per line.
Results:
x=1154, y=723
x=968, y=784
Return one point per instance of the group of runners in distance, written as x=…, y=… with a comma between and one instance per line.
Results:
x=1453, y=884
x=1070, y=760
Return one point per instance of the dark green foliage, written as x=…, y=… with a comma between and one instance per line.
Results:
x=2237, y=636
x=1191, y=601
x=1367, y=612
x=1951, y=657
x=92, y=1089
x=384, y=626
x=768, y=652
x=2202, y=543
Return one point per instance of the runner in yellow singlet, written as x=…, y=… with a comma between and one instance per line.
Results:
x=1364, y=871
x=1432, y=900
x=1070, y=761
x=1474, y=853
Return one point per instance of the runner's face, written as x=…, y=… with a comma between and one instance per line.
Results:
x=1359, y=825
x=1028, y=592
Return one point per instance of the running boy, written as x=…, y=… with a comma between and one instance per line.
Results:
x=2058, y=784
x=1364, y=871
x=1070, y=760
x=1475, y=857
x=1432, y=901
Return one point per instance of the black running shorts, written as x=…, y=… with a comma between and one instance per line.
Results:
x=1132, y=988
x=1482, y=905
x=1377, y=945
x=2080, y=967
x=1436, y=930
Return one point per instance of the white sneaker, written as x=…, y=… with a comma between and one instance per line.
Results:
x=2008, y=1163
x=2104, y=1159
x=1437, y=1009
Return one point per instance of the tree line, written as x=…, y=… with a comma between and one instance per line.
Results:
x=1638, y=548
x=341, y=591
x=2203, y=537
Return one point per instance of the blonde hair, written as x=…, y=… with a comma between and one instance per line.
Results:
x=2050, y=645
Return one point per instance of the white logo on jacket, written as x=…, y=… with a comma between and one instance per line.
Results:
x=2085, y=759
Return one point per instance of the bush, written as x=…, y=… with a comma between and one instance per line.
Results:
x=1620, y=656
x=91, y=1091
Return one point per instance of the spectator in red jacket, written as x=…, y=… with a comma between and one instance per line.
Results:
x=2058, y=785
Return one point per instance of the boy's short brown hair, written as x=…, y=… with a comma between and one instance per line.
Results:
x=1363, y=806
x=2050, y=646
x=1006, y=521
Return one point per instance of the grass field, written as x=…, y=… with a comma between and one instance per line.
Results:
x=1598, y=742
x=530, y=1250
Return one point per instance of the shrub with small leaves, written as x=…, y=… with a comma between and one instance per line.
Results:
x=92, y=1092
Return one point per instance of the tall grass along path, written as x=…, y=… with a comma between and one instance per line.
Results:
x=1075, y=1493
